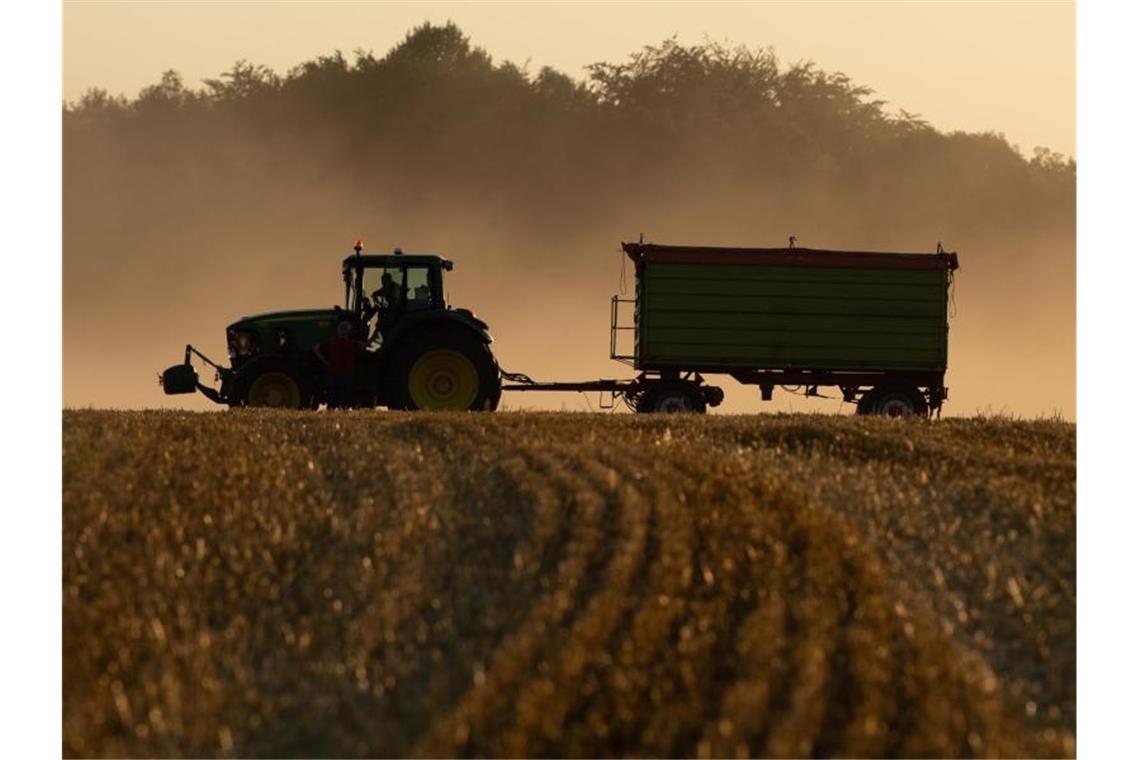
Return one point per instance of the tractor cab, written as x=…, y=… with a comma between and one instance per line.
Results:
x=420, y=352
x=381, y=289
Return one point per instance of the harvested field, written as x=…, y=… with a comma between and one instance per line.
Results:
x=366, y=583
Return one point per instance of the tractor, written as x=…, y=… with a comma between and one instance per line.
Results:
x=418, y=352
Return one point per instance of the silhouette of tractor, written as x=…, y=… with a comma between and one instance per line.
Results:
x=418, y=352
x=872, y=323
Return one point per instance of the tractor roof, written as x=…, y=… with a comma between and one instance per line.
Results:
x=394, y=260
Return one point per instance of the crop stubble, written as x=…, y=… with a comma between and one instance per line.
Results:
x=260, y=583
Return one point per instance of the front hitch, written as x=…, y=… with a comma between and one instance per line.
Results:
x=183, y=378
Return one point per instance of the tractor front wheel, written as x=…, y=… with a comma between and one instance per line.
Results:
x=444, y=370
x=275, y=388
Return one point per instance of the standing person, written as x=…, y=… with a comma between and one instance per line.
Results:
x=339, y=354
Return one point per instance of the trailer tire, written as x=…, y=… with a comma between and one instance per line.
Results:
x=443, y=369
x=866, y=403
x=673, y=398
x=898, y=401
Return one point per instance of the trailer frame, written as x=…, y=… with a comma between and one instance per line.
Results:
x=854, y=386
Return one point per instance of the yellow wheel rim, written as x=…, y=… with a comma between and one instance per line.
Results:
x=275, y=389
x=443, y=379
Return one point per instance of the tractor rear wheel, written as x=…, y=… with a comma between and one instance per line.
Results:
x=449, y=369
x=673, y=397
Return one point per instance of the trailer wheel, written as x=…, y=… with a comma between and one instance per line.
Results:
x=439, y=370
x=673, y=398
x=898, y=401
x=866, y=403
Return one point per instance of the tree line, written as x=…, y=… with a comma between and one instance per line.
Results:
x=436, y=120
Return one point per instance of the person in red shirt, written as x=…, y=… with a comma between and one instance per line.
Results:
x=339, y=354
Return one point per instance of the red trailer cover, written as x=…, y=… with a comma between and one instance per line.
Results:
x=808, y=257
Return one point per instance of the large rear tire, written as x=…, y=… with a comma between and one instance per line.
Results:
x=444, y=369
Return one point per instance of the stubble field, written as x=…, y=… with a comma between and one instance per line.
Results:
x=363, y=583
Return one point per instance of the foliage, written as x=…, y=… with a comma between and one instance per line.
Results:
x=437, y=117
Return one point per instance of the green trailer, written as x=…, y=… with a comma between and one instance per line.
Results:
x=873, y=324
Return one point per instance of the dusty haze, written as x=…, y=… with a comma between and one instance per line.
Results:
x=186, y=209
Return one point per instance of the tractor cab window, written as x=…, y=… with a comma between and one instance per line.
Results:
x=390, y=291
x=370, y=284
x=418, y=292
x=410, y=287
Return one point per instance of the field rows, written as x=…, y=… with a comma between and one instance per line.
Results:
x=277, y=584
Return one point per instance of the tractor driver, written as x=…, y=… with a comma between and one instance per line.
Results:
x=386, y=303
x=389, y=291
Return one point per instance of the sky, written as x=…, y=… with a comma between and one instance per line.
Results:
x=974, y=66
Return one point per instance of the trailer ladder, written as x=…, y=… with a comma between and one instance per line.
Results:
x=616, y=328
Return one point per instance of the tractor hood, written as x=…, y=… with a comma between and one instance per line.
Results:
x=279, y=333
x=287, y=317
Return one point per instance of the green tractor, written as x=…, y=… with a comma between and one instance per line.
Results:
x=419, y=353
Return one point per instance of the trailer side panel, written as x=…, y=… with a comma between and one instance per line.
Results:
x=770, y=315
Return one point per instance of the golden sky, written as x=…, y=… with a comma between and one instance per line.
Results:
x=976, y=66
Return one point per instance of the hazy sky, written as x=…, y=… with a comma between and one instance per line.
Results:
x=977, y=66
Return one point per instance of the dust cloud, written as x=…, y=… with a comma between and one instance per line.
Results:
x=186, y=209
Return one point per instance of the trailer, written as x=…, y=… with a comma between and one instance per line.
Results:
x=873, y=324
